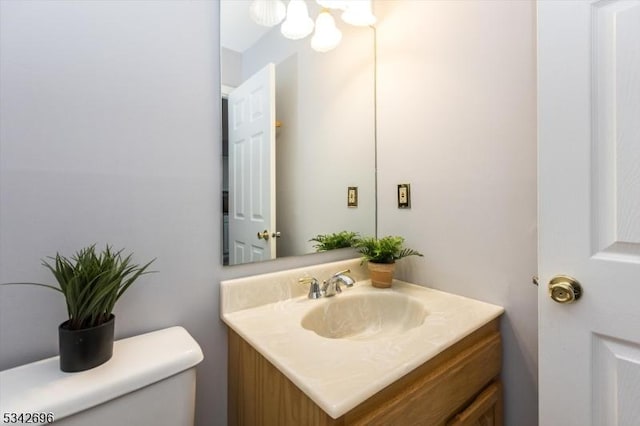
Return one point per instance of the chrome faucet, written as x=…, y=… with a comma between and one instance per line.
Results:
x=314, y=289
x=331, y=287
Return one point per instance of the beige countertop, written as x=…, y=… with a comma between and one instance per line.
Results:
x=339, y=374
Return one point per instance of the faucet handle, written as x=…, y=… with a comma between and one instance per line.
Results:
x=314, y=289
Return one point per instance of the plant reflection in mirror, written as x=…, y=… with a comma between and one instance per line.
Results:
x=342, y=239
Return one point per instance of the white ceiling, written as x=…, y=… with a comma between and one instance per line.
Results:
x=237, y=31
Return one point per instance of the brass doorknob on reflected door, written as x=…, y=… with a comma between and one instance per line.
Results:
x=564, y=289
x=264, y=235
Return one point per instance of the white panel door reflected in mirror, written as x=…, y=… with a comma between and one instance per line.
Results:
x=252, y=137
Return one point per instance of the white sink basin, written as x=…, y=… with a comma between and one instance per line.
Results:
x=365, y=316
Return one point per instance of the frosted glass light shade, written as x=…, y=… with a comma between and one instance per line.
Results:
x=358, y=12
x=327, y=35
x=268, y=13
x=333, y=4
x=298, y=24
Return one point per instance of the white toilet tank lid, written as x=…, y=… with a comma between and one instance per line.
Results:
x=137, y=362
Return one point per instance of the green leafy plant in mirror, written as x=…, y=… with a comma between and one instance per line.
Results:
x=337, y=240
x=92, y=283
x=384, y=250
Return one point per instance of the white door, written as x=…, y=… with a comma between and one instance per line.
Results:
x=589, y=211
x=252, y=218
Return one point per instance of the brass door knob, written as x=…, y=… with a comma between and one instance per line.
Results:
x=564, y=289
x=264, y=235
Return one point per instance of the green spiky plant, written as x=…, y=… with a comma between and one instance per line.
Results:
x=92, y=283
x=384, y=250
x=337, y=240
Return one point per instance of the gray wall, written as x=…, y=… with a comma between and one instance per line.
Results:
x=106, y=138
x=457, y=86
x=107, y=117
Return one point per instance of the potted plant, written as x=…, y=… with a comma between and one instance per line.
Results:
x=334, y=241
x=381, y=255
x=91, y=284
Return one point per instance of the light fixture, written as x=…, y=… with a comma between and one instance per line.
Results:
x=327, y=36
x=267, y=13
x=358, y=13
x=333, y=4
x=298, y=24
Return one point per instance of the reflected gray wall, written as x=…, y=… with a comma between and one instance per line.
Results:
x=230, y=67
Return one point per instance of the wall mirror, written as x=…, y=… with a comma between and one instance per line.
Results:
x=298, y=137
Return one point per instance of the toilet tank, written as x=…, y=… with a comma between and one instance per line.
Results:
x=150, y=380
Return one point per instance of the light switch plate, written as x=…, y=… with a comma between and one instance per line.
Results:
x=404, y=196
x=352, y=196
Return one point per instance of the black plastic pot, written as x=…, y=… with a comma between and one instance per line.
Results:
x=86, y=348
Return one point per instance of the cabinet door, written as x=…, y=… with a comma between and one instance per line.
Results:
x=441, y=393
x=486, y=409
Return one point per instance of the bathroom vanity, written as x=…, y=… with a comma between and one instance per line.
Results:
x=405, y=355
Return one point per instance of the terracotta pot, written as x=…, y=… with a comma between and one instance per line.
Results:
x=85, y=348
x=381, y=274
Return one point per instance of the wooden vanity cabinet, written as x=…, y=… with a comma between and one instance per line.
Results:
x=460, y=387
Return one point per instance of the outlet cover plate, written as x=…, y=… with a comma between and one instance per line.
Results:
x=404, y=196
x=352, y=196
